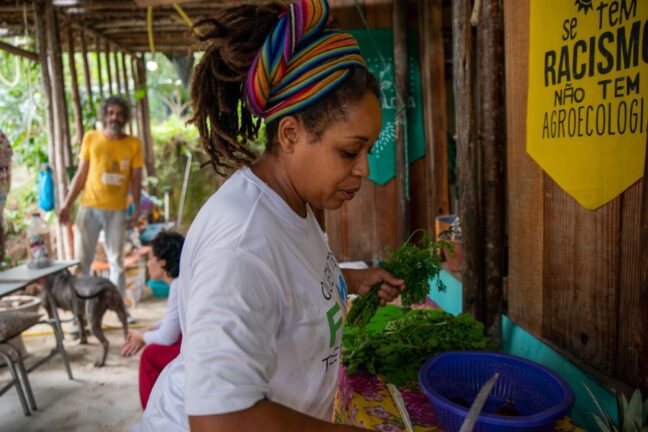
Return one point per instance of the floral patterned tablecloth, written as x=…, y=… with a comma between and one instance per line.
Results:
x=364, y=400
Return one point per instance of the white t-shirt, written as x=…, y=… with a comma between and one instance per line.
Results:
x=168, y=330
x=260, y=301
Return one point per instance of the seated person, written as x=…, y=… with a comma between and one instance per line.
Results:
x=162, y=340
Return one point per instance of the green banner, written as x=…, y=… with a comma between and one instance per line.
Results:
x=377, y=48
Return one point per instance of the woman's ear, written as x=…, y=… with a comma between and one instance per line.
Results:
x=288, y=133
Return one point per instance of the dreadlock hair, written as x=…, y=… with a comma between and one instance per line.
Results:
x=234, y=37
x=167, y=246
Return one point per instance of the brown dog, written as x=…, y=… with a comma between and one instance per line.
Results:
x=88, y=298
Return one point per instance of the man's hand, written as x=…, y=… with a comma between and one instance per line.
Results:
x=135, y=217
x=361, y=281
x=134, y=342
x=64, y=215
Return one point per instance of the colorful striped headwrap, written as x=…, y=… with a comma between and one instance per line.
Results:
x=299, y=62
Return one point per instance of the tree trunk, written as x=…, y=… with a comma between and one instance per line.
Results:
x=99, y=72
x=467, y=158
x=493, y=145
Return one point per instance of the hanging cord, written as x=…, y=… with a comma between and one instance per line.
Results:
x=186, y=18
x=403, y=108
x=149, y=27
x=16, y=79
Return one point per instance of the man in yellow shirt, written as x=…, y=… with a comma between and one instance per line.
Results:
x=110, y=163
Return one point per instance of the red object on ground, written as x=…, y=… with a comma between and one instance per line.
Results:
x=154, y=359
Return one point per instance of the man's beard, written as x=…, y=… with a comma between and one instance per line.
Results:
x=115, y=126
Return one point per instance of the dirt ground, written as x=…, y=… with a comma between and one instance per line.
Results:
x=98, y=399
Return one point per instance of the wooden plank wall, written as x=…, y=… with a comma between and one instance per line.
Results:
x=365, y=226
x=574, y=274
x=524, y=180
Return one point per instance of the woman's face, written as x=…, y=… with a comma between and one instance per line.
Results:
x=329, y=171
x=154, y=264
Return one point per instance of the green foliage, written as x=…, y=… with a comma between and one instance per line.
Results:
x=166, y=93
x=22, y=111
x=416, y=265
x=396, y=343
x=633, y=414
x=173, y=140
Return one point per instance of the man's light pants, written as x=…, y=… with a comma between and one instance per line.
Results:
x=89, y=223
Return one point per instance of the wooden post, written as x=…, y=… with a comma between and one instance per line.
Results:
x=40, y=10
x=145, y=120
x=434, y=105
x=76, y=100
x=61, y=129
x=402, y=163
x=124, y=75
x=41, y=38
x=118, y=76
x=643, y=293
x=467, y=168
x=86, y=69
x=127, y=94
x=493, y=147
x=137, y=118
x=99, y=72
x=108, y=71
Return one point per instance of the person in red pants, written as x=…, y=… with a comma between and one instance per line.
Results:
x=163, y=339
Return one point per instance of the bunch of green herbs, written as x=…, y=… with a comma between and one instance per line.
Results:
x=416, y=264
x=396, y=342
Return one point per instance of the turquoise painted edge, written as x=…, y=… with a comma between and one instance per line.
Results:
x=519, y=342
x=450, y=298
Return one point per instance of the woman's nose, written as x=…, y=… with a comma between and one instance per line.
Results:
x=361, y=167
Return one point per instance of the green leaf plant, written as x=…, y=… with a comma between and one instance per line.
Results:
x=633, y=413
x=416, y=264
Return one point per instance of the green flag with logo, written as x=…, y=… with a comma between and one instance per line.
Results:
x=377, y=48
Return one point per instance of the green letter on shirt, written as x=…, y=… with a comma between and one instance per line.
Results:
x=334, y=326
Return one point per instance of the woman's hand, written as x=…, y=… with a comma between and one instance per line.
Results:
x=134, y=342
x=361, y=281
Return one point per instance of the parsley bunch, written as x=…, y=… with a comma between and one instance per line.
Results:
x=416, y=265
x=395, y=347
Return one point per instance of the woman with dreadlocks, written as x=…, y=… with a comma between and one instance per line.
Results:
x=261, y=299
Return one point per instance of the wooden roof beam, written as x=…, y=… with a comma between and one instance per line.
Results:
x=30, y=55
x=95, y=33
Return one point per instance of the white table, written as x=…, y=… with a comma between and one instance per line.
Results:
x=7, y=288
x=22, y=273
x=18, y=277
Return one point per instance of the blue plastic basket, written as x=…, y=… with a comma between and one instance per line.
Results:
x=537, y=396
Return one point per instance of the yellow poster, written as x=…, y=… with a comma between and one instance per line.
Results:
x=588, y=94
